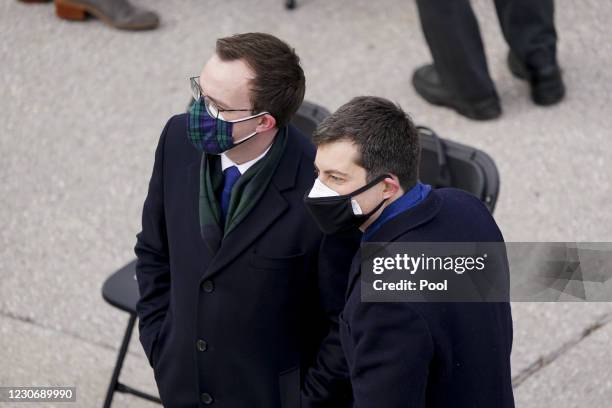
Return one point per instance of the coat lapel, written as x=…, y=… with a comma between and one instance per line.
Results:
x=270, y=207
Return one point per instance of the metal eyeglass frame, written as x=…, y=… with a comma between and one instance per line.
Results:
x=197, y=92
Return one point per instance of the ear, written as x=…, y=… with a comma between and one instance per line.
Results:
x=391, y=186
x=265, y=122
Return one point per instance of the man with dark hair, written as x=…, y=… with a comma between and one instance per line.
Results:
x=236, y=309
x=410, y=354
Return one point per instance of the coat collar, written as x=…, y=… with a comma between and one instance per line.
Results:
x=408, y=220
x=396, y=227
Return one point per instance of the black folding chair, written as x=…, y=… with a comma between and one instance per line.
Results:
x=308, y=117
x=121, y=291
x=446, y=163
x=121, y=288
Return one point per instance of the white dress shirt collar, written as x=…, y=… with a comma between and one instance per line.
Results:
x=243, y=167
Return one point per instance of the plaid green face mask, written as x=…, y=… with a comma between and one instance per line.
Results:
x=211, y=134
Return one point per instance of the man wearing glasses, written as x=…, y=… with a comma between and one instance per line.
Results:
x=239, y=295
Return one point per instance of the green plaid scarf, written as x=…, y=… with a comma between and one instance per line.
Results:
x=245, y=194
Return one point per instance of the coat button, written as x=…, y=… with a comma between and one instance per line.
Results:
x=202, y=345
x=206, y=398
x=208, y=286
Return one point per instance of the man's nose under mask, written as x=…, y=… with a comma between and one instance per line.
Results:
x=334, y=212
x=319, y=189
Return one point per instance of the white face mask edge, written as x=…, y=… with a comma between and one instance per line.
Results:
x=320, y=189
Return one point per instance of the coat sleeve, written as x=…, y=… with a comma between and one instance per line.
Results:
x=326, y=383
x=153, y=266
x=392, y=350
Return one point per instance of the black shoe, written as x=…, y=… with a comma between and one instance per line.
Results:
x=427, y=84
x=546, y=83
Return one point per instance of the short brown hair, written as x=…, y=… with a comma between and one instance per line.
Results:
x=279, y=83
x=386, y=137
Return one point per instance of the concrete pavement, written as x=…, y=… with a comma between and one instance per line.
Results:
x=84, y=105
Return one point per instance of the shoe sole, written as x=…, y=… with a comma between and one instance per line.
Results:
x=555, y=94
x=462, y=110
x=78, y=12
x=468, y=113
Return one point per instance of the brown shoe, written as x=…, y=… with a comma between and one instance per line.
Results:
x=116, y=13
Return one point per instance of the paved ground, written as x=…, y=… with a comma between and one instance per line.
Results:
x=83, y=107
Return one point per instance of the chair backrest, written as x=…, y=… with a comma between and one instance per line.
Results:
x=121, y=288
x=445, y=163
x=308, y=117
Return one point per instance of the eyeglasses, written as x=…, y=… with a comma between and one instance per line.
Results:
x=212, y=107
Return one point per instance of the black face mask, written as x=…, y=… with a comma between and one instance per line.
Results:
x=335, y=213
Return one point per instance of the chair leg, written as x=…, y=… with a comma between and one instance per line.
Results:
x=122, y=352
x=126, y=389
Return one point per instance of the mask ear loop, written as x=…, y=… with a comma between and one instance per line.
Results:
x=246, y=138
x=247, y=118
x=368, y=215
x=367, y=186
x=372, y=183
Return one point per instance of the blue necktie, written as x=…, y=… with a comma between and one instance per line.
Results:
x=231, y=175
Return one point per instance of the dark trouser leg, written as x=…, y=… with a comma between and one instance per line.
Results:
x=529, y=29
x=453, y=36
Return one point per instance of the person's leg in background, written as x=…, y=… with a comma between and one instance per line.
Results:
x=459, y=77
x=529, y=30
x=116, y=13
x=120, y=14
